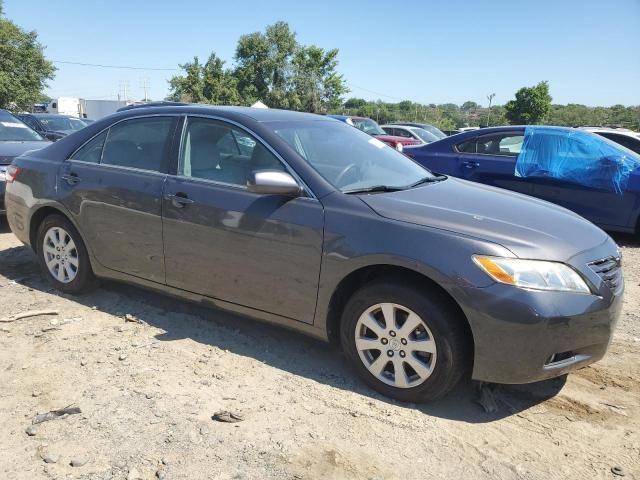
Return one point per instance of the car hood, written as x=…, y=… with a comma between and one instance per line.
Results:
x=10, y=150
x=394, y=139
x=529, y=227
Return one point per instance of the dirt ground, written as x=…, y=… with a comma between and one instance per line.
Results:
x=147, y=392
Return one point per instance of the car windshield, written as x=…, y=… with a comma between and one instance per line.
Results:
x=59, y=123
x=348, y=159
x=424, y=135
x=436, y=132
x=13, y=130
x=368, y=126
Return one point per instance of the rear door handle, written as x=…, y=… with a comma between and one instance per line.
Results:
x=179, y=200
x=71, y=178
x=470, y=164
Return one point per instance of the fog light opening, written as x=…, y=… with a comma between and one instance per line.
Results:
x=559, y=357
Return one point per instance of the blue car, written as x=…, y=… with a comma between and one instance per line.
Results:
x=591, y=175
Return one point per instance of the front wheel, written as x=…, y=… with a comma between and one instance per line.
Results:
x=406, y=343
x=63, y=256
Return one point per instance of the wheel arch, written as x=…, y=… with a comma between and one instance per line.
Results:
x=43, y=212
x=366, y=274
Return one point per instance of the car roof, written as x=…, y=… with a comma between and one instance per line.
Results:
x=257, y=114
x=50, y=115
x=396, y=125
x=618, y=131
x=344, y=117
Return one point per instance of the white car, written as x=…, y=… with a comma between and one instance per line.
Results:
x=406, y=131
x=626, y=138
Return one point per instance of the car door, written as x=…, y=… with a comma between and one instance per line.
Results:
x=113, y=185
x=598, y=204
x=220, y=240
x=491, y=159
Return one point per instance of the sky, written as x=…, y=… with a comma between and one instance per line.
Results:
x=424, y=51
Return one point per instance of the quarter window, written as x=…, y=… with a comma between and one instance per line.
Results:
x=138, y=143
x=217, y=151
x=91, y=151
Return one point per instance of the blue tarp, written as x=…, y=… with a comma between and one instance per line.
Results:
x=575, y=156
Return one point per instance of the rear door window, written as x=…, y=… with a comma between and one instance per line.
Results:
x=140, y=143
x=508, y=145
x=468, y=146
x=401, y=132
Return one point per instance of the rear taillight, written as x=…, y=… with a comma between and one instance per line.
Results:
x=12, y=173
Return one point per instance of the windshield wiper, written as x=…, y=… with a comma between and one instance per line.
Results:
x=374, y=188
x=422, y=181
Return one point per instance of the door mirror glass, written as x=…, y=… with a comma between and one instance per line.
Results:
x=273, y=182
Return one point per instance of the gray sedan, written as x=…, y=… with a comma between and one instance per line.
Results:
x=303, y=221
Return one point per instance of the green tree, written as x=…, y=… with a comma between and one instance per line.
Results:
x=24, y=70
x=219, y=85
x=263, y=65
x=317, y=87
x=208, y=83
x=190, y=86
x=532, y=105
x=469, y=105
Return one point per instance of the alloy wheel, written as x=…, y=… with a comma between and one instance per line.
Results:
x=60, y=255
x=395, y=345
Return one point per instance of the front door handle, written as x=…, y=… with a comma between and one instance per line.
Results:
x=71, y=178
x=179, y=200
x=470, y=164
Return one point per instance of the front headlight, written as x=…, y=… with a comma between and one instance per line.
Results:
x=535, y=274
x=399, y=147
x=3, y=174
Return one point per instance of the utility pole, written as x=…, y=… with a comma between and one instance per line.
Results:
x=144, y=84
x=122, y=90
x=490, y=97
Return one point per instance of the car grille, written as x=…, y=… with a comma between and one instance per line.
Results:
x=609, y=270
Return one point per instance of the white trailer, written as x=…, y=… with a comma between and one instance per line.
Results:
x=84, y=108
x=95, y=109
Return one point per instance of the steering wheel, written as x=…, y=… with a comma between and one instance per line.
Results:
x=351, y=168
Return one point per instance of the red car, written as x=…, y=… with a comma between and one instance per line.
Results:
x=372, y=128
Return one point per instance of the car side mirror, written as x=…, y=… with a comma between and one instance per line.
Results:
x=273, y=182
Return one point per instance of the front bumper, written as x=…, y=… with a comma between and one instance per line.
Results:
x=523, y=336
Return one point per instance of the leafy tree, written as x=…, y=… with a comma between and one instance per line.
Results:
x=263, y=65
x=24, y=70
x=219, y=85
x=469, y=105
x=271, y=67
x=317, y=86
x=355, y=103
x=532, y=105
x=208, y=83
x=188, y=87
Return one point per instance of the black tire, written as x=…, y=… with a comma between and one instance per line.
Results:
x=443, y=319
x=84, y=279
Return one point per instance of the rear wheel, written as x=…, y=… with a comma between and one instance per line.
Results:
x=406, y=343
x=63, y=256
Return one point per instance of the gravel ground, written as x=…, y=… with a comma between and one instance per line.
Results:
x=147, y=387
